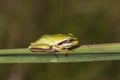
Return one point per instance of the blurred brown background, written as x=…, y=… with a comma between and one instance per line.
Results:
x=92, y=21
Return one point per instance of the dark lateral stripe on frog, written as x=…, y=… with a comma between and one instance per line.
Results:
x=66, y=41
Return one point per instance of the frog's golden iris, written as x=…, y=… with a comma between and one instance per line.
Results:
x=54, y=43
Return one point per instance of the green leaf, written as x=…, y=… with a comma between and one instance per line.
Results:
x=84, y=53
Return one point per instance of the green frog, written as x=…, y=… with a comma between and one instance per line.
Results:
x=54, y=43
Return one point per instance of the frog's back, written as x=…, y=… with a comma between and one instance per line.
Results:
x=52, y=39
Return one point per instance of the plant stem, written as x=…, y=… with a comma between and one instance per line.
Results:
x=95, y=52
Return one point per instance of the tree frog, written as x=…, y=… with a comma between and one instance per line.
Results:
x=54, y=43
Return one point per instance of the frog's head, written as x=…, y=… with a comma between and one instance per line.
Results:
x=69, y=41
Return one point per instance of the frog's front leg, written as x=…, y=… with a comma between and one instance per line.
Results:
x=60, y=49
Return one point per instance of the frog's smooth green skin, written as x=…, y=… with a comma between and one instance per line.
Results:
x=53, y=43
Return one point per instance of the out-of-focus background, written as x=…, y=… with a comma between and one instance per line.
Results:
x=92, y=21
